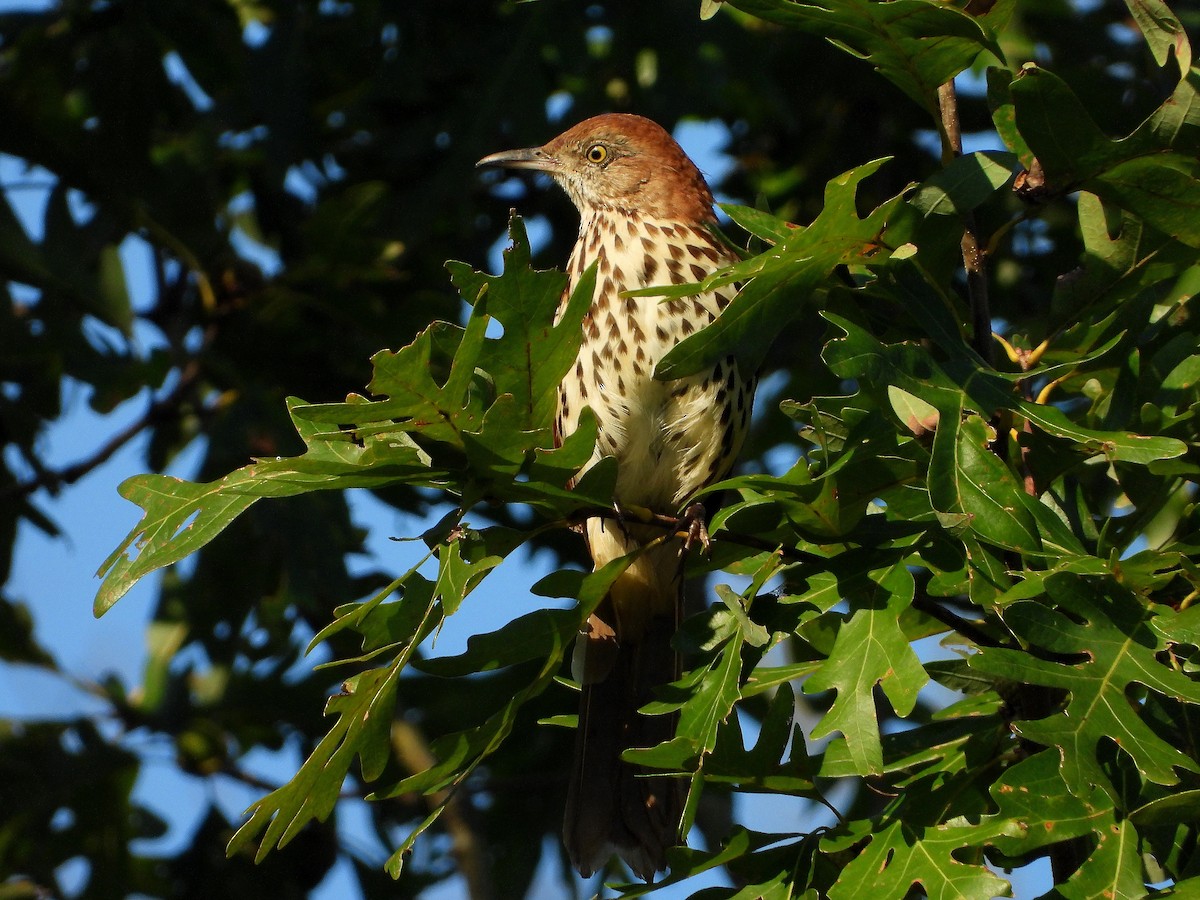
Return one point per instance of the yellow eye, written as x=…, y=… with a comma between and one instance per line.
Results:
x=597, y=153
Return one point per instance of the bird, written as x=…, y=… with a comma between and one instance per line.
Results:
x=646, y=219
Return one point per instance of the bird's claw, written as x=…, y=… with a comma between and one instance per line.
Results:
x=695, y=520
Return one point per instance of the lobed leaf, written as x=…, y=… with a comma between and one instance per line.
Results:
x=899, y=856
x=915, y=45
x=458, y=431
x=364, y=716
x=777, y=282
x=1112, y=634
x=870, y=649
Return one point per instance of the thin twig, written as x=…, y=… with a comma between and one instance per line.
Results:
x=54, y=479
x=973, y=254
x=956, y=623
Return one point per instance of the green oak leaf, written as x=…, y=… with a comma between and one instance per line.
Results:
x=870, y=649
x=899, y=856
x=776, y=283
x=1110, y=631
x=915, y=45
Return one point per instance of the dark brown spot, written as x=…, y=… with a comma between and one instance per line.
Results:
x=647, y=244
x=675, y=250
x=661, y=333
x=723, y=300
x=698, y=271
x=618, y=275
x=649, y=267
x=686, y=326
x=727, y=441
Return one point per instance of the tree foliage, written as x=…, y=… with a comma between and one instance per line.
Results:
x=925, y=512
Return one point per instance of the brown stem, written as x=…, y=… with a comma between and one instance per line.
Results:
x=962, y=626
x=973, y=254
x=1031, y=701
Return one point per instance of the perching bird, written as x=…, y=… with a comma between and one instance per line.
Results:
x=645, y=214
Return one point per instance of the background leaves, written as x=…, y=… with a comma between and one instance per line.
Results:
x=982, y=577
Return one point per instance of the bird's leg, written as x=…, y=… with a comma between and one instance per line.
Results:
x=695, y=520
x=619, y=513
x=627, y=512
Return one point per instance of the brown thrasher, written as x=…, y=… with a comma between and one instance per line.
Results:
x=645, y=215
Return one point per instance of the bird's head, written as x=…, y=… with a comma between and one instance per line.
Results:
x=621, y=162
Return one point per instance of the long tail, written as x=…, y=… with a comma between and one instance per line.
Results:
x=615, y=806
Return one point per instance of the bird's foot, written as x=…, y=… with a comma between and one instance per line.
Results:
x=694, y=522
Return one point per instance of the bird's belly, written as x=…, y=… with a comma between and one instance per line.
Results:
x=669, y=438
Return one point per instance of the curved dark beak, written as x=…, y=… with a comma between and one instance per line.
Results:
x=531, y=158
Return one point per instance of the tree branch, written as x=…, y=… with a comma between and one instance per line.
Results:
x=53, y=480
x=677, y=524
x=956, y=623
